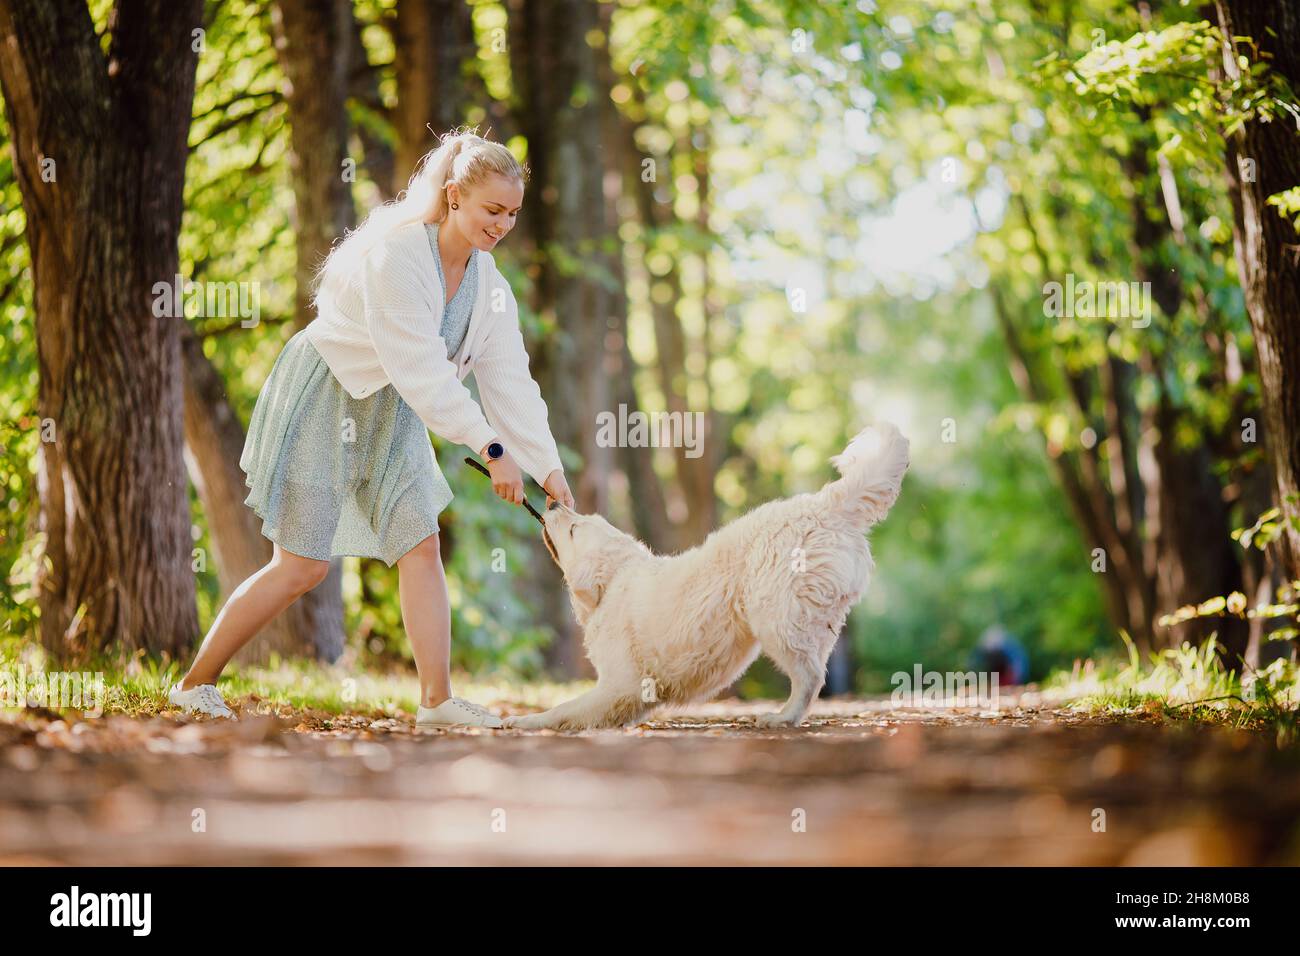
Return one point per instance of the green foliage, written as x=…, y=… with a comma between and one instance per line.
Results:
x=1286, y=607
x=19, y=428
x=137, y=685
x=828, y=131
x=1187, y=683
x=1288, y=204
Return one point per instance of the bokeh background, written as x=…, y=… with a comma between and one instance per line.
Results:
x=793, y=218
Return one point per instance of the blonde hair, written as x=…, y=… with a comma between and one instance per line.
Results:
x=462, y=157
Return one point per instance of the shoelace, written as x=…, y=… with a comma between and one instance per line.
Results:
x=208, y=694
x=472, y=708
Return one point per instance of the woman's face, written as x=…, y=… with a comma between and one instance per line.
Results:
x=487, y=212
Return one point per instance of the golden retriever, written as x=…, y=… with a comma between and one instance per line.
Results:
x=675, y=628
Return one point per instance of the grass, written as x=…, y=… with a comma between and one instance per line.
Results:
x=1187, y=684
x=137, y=686
x=1184, y=684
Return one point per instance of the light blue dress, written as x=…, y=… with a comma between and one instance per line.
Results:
x=332, y=475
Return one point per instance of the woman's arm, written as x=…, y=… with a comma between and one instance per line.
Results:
x=510, y=397
x=404, y=332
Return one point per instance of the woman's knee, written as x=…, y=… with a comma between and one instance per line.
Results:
x=299, y=574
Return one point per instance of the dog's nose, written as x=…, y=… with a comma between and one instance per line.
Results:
x=552, y=504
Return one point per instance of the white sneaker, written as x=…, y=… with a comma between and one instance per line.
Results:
x=203, y=699
x=455, y=711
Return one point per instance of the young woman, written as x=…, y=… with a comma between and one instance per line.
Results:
x=338, y=457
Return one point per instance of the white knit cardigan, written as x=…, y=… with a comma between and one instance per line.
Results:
x=381, y=325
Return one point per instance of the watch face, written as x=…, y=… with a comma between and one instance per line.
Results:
x=495, y=450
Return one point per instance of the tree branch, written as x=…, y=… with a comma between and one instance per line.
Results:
x=234, y=122
x=240, y=98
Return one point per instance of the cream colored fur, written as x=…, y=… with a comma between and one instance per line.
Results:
x=779, y=580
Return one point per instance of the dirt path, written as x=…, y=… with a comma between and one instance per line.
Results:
x=863, y=784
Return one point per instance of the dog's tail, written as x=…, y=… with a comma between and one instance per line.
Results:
x=872, y=468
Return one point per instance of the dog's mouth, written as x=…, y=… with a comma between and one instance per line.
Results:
x=550, y=546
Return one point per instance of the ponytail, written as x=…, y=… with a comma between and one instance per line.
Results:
x=462, y=157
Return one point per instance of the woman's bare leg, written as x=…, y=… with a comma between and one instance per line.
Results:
x=426, y=615
x=252, y=605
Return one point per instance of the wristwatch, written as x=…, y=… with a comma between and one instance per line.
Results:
x=495, y=450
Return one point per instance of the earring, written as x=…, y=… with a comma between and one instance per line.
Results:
x=455, y=205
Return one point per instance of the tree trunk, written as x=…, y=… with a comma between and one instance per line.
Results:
x=702, y=472
x=1268, y=249
x=99, y=144
x=312, y=41
x=693, y=509
x=1198, y=558
x=670, y=343
x=363, y=89
x=647, y=508
x=1105, y=521
x=1121, y=583
x=559, y=101
x=434, y=41
x=1194, y=557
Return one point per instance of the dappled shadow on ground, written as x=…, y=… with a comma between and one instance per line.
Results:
x=861, y=783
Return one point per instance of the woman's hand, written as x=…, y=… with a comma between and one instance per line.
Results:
x=557, y=489
x=507, y=479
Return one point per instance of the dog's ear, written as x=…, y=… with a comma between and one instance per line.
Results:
x=587, y=584
x=592, y=573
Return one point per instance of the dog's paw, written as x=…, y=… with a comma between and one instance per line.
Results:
x=543, y=721
x=522, y=722
x=777, y=720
